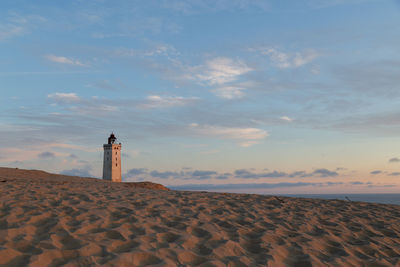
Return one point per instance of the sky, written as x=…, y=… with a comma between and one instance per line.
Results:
x=259, y=96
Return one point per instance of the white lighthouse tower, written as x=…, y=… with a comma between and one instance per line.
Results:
x=112, y=160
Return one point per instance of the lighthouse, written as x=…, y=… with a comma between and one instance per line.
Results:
x=112, y=160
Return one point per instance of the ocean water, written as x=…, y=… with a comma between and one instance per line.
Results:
x=374, y=198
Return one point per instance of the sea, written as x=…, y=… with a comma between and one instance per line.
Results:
x=373, y=198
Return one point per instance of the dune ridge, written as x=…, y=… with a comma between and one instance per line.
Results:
x=42, y=176
x=72, y=221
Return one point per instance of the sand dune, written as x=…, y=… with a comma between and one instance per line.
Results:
x=48, y=220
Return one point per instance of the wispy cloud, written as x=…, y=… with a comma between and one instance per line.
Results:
x=379, y=78
x=394, y=160
x=194, y=6
x=107, y=85
x=238, y=175
x=242, y=186
x=245, y=136
x=229, y=92
x=284, y=60
x=219, y=71
x=17, y=25
x=75, y=104
x=28, y=73
x=324, y=173
x=184, y=174
x=154, y=51
x=64, y=60
x=84, y=171
x=64, y=97
x=246, y=186
x=46, y=155
x=34, y=151
x=286, y=118
x=329, y=3
x=247, y=174
x=157, y=101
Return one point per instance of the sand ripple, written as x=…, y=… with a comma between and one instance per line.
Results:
x=88, y=223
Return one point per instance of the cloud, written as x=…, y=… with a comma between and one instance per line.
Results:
x=73, y=156
x=317, y=4
x=286, y=118
x=249, y=186
x=382, y=185
x=246, y=174
x=189, y=174
x=31, y=148
x=324, y=173
x=299, y=174
x=163, y=175
x=377, y=77
x=87, y=106
x=284, y=60
x=231, y=132
x=357, y=183
x=64, y=60
x=135, y=172
x=385, y=123
x=189, y=7
x=376, y=172
x=248, y=143
x=395, y=174
x=223, y=176
x=202, y=175
x=229, y=92
x=82, y=172
x=29, y=73
x=245, y=136
x=156, y=101
x=394, y=160
x=64, y=97
x=46, y=155
x=107, y=85
x=184, y=174
x=220, y=70
x=16, y=25
x=161, y=49
x=157, y=50
x=8, y=31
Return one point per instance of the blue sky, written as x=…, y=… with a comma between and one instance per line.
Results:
x=295, y=96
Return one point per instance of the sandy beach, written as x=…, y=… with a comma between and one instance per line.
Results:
x=54, y=220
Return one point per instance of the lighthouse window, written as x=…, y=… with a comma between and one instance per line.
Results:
x=116, y=164
x=115, y=153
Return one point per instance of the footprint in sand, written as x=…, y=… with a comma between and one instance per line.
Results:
x=167, y=237
x=201, y=233
x=126, y=246
x=190, y=258
x=112, y=234
x=296, y=257
x=176, y=224
x=66, y=241
x=43, y=228
x=202, y=250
